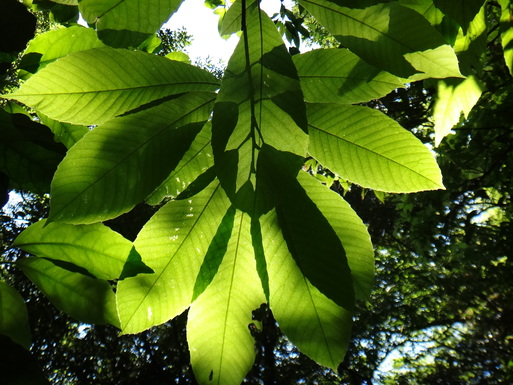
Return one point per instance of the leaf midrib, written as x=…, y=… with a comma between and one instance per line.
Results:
x=70, y=245
x=122, y=89
x=232, y=279
x=410, y=49
x=128, y=155
x=377, y=154
x=345, y=77
x=166, y=266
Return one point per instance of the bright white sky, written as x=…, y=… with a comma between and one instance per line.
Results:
x=201, y=23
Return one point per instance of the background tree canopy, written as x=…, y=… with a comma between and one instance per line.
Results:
x=178, y=223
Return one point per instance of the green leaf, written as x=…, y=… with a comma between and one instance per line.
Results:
x=350, y=230
x=259, y=104
x=65, y=133
x=112, y=168
x=179, y=56
x=173, y=244
x=96, y=248
x=195, y=162
x=454, y=97
x=232, y=19
x=28, y=153
x=68, y=90
x=366, y=147
x=323, y=261
x=222, y=348
x=66, y=2
x=426, y=8
x=471, y=47
x=13, y=316
x=127, y=23
x=84, y=298
x=389, y=36
x=506, y=28
x=315, y=324
x=339, y=76
x=52, y=45
x=462, y=11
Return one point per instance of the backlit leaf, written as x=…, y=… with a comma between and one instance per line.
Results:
x=339, y=76
x=113, y=167
x=90, y=87
x=349, y=228
x=462, y=11
x=316, y=325
x=366, y=147
x=315, y=246
x=426, y=8
x=96, y=248
x=454, y=98
x=507, y=32
x=52, y=45
x=173, y=244
x=13, y=316
x=196, y=161
x=471, y=46
x=127, y=23
x=259, y=104
x=389, y=36
x=67, y=2
x=221, y=346
x=65, y=133
x=84, y=298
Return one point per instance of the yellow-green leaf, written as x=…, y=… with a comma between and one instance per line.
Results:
x=173, y=244
x=83, y=298
x=90, y=87
x=221, y=346
x=454, y=97
x=366, y=147
x=13, y=316
x=316, y=325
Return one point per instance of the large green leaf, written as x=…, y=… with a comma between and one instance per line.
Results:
x=84, y=298
x=315, y=246
x=222, y=348
x=96, y=248
x=174, y=244
x=116, y=165
x=349, y=228
x=260, y=105
x=195, y=162
x=316, y=325
x=127, y=23
x=389, y=36
x=366, y=147
x=339, y=76
x=90, y=87
x=52, y=45
x=462, y=11
x=454, y=97
x=13, y=316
